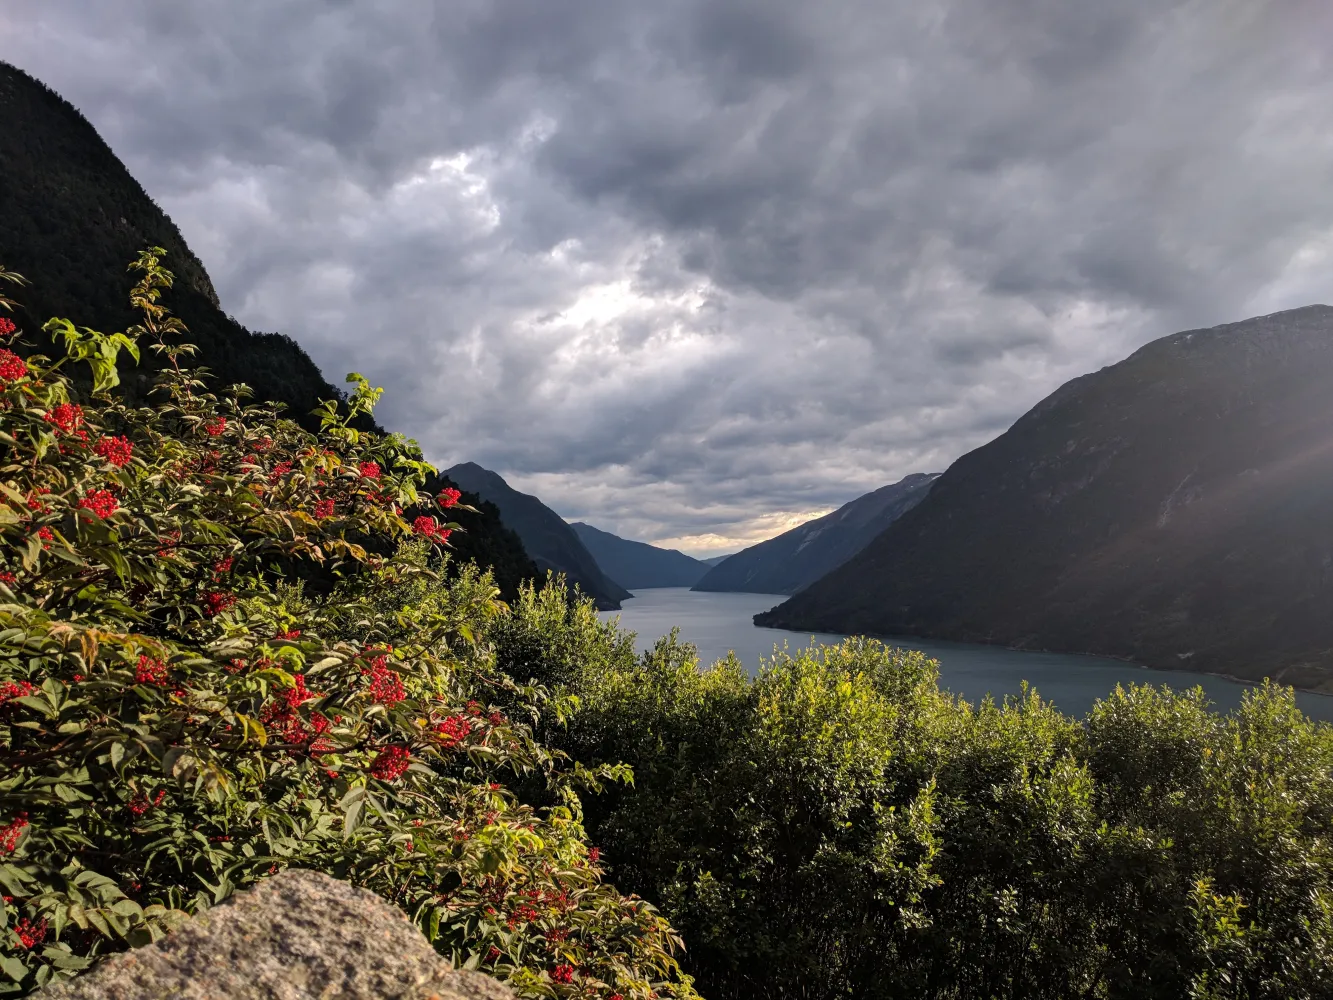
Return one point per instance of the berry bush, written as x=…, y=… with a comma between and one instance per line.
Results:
x=226, y=649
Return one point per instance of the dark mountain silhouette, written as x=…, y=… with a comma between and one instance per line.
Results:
x=551, y=542
x=797, y=558
x=74, y=217
x=486, y=541
x=638, y=565
x=714, y=560
x=1175, y=509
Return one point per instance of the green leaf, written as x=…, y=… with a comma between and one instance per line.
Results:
x=13, y=968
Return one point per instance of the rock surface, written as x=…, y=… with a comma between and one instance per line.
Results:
x=300, y=935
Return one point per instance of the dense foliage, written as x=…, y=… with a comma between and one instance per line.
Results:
x=839, y=827
x=226, y=648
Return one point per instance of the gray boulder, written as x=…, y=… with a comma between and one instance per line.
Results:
x=299, y=935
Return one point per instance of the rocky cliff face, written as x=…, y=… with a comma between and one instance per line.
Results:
x=797, y=558
x=1175, y=509
x=299, y=935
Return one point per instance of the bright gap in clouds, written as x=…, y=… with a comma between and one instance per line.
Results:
x=742, y=535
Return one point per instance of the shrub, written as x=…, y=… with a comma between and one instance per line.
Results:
x=225, y=649
x=838, y=827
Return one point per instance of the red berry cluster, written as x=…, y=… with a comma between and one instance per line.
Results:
x=6, y=326
x=217, y=601
x=428, y=527
x=386, y=687
x=448, y=497
x=324, y=508
x=370, y=470
x=12, y=367
x=141, y=803
x=151, y=671
x=215, y=428
x=115, y=450
x=14, y=689
x=9, y=835
x=67, y=418
x=390, y=763
x=562, y=974
x=31, y=933
x=103, y=503
x=522, y=914
x=453, y=731
x=281, y=718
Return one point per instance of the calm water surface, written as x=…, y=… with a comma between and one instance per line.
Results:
x=717, y=623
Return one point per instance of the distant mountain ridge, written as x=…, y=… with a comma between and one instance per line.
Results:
x=638, y=565
x=797, y=558
x=1175, y=509
x=552, y=544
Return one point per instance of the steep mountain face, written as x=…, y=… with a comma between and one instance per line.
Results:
x=714, y=560
x=486, y=541
x=797, y=558
x=73, y=218
x=550, y=542
x=1175, y=509
x=638, y=565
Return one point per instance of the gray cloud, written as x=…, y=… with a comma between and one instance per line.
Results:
x=689, y=269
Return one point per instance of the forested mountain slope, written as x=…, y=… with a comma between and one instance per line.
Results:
x=638, y=565
x=797, y=558
x=1175, y=509
x=551, y=542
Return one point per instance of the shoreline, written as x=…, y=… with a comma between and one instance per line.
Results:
x=891, y=639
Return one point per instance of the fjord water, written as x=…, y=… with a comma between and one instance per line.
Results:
x=716, y=623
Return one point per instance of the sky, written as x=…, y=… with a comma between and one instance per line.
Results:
x=696, y=270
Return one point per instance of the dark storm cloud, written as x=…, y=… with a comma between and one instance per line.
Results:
x=692, y=269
